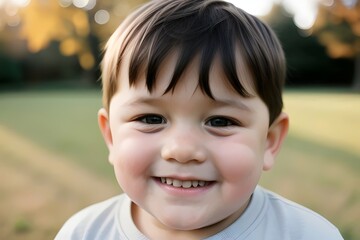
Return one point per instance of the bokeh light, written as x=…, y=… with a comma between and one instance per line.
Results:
x=65, y=3
x=80, y=3
x=86, y=60
x=102, y=17
x=304, y=12
x=86, y=4
x=69, y=47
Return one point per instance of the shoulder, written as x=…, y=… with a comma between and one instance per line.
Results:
x=298, y=221
x=88, y=221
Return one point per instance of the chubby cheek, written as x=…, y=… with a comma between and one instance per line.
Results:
x=132, y=157
x=240, y=167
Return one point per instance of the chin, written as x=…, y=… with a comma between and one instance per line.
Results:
x=182, y=227
x=183, y=224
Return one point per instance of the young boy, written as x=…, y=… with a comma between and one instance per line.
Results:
x=192, y=116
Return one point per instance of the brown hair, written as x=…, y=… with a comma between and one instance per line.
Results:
x=204, y=27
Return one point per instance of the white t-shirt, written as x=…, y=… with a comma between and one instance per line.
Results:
x=268, y=217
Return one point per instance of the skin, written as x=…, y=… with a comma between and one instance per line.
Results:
x=186, y=136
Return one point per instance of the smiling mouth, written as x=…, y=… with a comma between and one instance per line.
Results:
x=184, y=184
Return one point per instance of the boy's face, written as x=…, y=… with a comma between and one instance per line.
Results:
x=189, y=161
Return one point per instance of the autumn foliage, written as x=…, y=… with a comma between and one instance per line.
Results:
x=40, y=22
x=338, y=28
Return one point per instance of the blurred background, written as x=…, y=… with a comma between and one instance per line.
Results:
x=53, y=161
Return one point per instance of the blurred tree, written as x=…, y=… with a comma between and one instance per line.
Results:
x=307, y=60
x=338, y=28
x=10, y=74
x=78, y=26
x=46, y=21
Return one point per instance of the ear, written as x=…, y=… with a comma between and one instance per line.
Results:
x=275, y=138
x=103, y=120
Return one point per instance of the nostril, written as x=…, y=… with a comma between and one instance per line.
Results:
x=183, y=149
x=184, y=157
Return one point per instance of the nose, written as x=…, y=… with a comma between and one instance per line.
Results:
x=184, y=147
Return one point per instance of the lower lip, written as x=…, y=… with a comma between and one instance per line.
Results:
x=184, y=192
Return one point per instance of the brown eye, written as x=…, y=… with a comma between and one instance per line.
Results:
x=220, y=122
x=152, y=119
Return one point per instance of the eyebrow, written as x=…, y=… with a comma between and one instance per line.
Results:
x=216, y=101
x=144, y=100
x=230, y=102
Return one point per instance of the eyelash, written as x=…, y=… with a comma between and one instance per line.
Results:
x=222, y=122
x=145, y=119
x=226, y=122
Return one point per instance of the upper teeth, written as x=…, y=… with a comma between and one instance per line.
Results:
x=183, y=184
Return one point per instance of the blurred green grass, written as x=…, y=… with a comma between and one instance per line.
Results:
x=62, y=121
x=318, y=167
